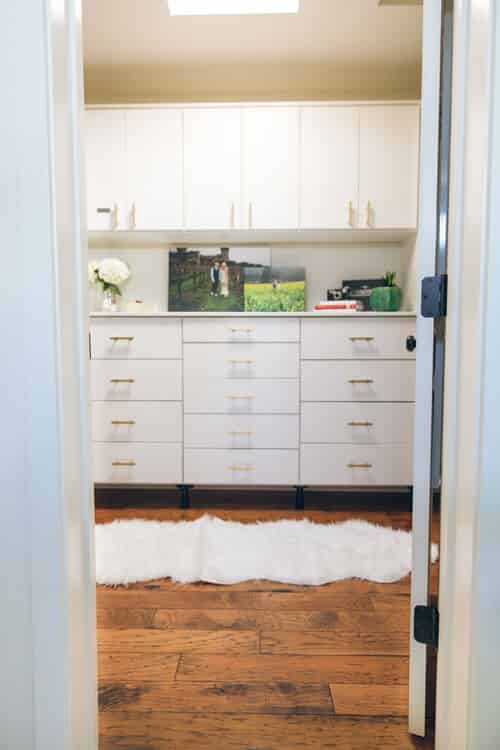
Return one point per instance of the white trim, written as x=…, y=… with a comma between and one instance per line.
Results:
x=248, y=104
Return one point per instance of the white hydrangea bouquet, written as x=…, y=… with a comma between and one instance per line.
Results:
x=110, y=274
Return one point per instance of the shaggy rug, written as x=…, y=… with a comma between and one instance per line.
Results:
x=216, y=551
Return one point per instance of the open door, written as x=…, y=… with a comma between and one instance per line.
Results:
x=431, y=311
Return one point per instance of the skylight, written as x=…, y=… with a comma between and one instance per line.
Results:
x=231, y=7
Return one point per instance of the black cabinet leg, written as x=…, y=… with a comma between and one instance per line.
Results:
x=299, y=497
x=185, y=501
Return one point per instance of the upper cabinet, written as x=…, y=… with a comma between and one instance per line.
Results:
x=212, y=168
x=388, y=166
x=267, y=167
x=270, y=175
x=329, y=167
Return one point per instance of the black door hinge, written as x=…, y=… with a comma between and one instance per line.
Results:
x=434, y=296
x=426, y=625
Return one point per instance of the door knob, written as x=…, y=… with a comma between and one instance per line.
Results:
x=411, y=343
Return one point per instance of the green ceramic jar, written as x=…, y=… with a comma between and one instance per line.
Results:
x=386, y=299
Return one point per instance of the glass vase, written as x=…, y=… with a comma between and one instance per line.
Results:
x=109, y=301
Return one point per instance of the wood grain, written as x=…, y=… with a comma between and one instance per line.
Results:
x=179, y=641
x=370, y=700
x=124, y=666
x=336, y=641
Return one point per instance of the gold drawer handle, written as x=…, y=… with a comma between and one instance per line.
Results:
x=122, y=380
x=241, y=361
x=123, y=421
x=123, y=463
x=360, y=424
x=359, y=466
x=241, y=397
x=241, y=432
x=121, y=338
x=350, y=214
x=364, y=381
x=241, y=468
x=361, y=338
x=241, y=330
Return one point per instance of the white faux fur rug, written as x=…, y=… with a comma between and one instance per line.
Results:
x=216, y=551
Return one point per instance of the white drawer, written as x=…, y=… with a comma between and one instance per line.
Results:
x=242, y=360
x=241, y=329
x=357, y=338
x=222, y=396
x=278, y=431
x=359, y=424
x=137, y=463
x=136, y=380
x=136, y=338
x=241, y=467
x=378, y=465
x=358, y=381
x=137, y=421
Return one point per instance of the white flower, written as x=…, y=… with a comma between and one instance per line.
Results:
x=93, y=268
x=113, y=271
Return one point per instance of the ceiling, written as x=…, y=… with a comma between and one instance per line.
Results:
x=128, y=32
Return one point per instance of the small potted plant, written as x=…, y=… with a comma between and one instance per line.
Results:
x=386, y=298
x=110, y=274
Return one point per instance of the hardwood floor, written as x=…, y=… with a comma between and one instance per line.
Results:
x=255, y=666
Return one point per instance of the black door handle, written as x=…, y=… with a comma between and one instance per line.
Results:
x=411, y=343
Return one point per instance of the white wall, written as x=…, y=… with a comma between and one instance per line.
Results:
x=326, y=267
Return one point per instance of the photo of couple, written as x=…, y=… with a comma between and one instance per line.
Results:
x=219, y=276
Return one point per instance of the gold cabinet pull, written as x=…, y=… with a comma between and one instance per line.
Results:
x=123, y=421
x=242, y=467
x=359, y=466
x=231, y=216
x=121, y=338
x=114, y=217
x=239, y=329
x=350, y=214
x=250, y=215
x=369, y=214
x=133, y=216
x=123, y=463
x=241, y=396
x=241, y=361
x=361, y=338
x=241, y=432
x=360, y=424
x=122, y=380
x=364, y=381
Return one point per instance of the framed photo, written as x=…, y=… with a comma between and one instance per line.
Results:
x=275, y=289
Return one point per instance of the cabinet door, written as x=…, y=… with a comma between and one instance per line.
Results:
x=389, y=140
x=329, y=167
x=212, y=167
x=105, y=169
x=154, y=168
x=270, y=167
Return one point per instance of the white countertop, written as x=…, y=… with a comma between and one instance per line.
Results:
x=309, y=314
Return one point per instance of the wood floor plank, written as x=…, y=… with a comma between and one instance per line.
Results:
x=318, y=642
x=370, y=700
x=382, y=670
x=178, y=641
x=150, y=665
x=170, y=731
x=224, y=697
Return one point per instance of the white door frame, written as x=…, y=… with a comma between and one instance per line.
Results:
x=47, y=628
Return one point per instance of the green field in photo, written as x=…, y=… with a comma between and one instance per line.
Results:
x=290, y=296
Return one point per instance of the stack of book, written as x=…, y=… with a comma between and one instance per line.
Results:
x=341, y=305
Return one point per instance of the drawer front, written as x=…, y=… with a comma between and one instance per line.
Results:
x=242, y=360
x=357, y=424
x=280, y=431
x=137, y=463
x=358, y=381
x=137, y=422
x=222, y=396
x=241, y=467
x=136, y=338
x=377, y=465
x=136, y=380
x=241, y=329
x=357, y=338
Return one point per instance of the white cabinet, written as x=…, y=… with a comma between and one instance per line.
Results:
x=105, y=169
x=329, y=167
x=212, y=167
x=154, y=146
x=388, y=159
x=270, y=167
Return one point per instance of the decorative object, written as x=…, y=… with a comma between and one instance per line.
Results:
x=275, y=289
x=386, y=298
x=212, y=279
x=110, y=274
x=360, y=290
x=216, y=551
